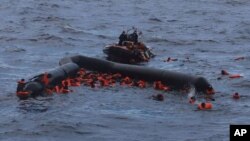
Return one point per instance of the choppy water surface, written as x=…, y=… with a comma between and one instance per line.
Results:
x=35, y=34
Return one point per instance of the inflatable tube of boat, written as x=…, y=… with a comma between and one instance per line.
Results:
x=57, y=75
x=174, y=79
x=70, y=65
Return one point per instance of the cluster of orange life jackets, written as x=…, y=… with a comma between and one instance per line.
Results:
x=94, y=79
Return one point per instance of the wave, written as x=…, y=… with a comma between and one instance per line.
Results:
x=47, y=37
x=236, y=2
x=101, y=34
x=155, y=19
x=180, y=41
x=49, y=18
x=70, y=29
x=14, y=49
x=8, y=38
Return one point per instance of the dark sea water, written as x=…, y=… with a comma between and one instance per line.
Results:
x=36, y=34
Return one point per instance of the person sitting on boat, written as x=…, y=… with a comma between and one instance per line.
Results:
x=122, y=38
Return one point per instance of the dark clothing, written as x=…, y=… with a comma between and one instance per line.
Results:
x=134, y=37
x=20, y=86
x=122, y=38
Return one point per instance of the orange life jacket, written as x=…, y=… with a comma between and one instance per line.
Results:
x=141, y=84
x=235, y=76
x=76, y=84
x=22, y=93
x=205, y=106
x=57, y=89
x=45, y=79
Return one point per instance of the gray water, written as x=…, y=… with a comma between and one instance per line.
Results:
x=36, y=34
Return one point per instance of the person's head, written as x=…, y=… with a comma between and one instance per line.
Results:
x=49, y=75
x=203, y=105
x=22, y=81
x=160, y=97
x=123, y=32
x=236, y=95
x=192, y=98
x=223, y=72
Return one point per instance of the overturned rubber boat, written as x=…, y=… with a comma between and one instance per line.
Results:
x=129, y=53
x=69, y=66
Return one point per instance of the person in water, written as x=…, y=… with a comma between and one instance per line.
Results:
x=122, y=38
x=20, y=85
x=158, y=97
